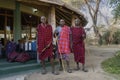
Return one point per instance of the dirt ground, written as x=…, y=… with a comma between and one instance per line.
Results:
x=94, y=57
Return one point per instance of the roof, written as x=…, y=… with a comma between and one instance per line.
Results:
x=58, y=3
x=61, y=3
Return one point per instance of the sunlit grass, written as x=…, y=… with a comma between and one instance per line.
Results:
x=112, y=65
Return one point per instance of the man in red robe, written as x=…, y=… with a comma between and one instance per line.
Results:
x=78, y=46
x=63, y=33
x=44, y=41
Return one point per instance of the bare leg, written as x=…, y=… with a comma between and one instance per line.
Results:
x=83, y=68
x=43, y=66
x=60, y=63
x=77, y=66
x=68, y=67
x=53, y=66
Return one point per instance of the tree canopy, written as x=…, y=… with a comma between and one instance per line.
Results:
x=115, y=4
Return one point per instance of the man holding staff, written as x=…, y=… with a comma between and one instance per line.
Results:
x=63, y=42
x=44, y=41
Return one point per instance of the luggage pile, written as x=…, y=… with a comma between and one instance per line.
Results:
x=21, y=52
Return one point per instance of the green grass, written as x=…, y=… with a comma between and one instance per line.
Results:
x=112, y=65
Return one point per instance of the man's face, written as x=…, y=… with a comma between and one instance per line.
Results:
x=43, y=19
x=62, y=22
x=77, y=22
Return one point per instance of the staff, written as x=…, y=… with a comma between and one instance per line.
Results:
x=63, y=66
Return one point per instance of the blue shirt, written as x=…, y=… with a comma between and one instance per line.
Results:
x=58, y=30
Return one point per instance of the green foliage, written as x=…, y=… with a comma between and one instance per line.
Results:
x=112, y=65
x=116, y=37
x=117, y=54
x=106, y=36
x=115, y=4
x=100, y=41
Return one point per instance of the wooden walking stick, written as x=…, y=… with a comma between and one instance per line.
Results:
x=45, y=48
x=63, y=66
x=88, y=52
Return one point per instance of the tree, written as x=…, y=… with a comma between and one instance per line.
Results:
x=116, y=37
x=115, y=4
x=94, y=13
x=91, y=6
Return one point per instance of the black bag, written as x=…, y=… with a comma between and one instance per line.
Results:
x=33, y=54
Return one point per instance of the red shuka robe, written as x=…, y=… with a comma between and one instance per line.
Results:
x=44, y=37
x=78, y=44
x=64, y=40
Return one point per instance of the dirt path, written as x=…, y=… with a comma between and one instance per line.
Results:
x=94, y=57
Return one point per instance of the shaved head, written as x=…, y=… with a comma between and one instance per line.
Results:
x=43, y=19
x=77, y=22
x=62, y=22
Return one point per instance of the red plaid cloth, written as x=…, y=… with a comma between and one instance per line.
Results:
x=43, y=39
x=64, y=40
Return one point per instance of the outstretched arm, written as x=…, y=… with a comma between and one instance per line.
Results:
x=84, y=34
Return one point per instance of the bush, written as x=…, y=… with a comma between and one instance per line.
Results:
x=106, y=36
x=116, y=37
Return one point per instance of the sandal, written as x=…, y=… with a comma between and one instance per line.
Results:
x=69, y=71
x=85, y=70
x=60, y=69
x=55, y=73
x=44, y=72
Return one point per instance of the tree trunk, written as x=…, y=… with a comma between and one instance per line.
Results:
x=93, y=13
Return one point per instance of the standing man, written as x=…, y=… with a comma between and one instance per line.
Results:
x=78, y=46
x=44, y=42
x=63, y=33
